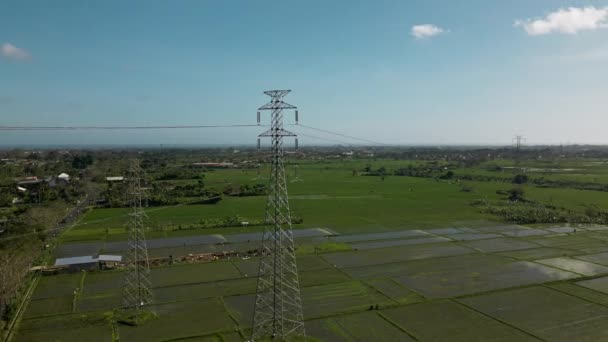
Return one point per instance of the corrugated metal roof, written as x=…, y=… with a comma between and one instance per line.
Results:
x=116, y=258
x=114, y=178
x=87, y=259
x=75, y=260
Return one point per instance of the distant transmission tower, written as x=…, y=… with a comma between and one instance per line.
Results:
x=518, y=140
x=296, y=169
x=278, y=305
x=137, y=288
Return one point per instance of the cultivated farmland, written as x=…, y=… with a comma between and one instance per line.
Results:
x=400, y=259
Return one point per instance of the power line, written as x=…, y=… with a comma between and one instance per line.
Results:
x=74, y=128
x=342, y=135
x=91, y=128
x=326, y=139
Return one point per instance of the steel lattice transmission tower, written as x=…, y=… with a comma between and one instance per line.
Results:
x=518, y=140
x=278, y=305
x=137, y=288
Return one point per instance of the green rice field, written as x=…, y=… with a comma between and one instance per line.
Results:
x=409, y=259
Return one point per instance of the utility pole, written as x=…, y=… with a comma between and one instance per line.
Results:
x=137, y=287
x=278, y=305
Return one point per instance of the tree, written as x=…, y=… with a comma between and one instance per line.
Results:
x=15, y=263
x=447, y=175
x=81, y=162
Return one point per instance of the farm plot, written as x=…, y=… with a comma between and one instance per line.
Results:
x=445, y=231
x=380, y=236
x=394, y=254
x=220, y=337
x=403, y=242
x=598, y=258
x=297, y=233
x=250, y=267
x=241, y=309
x=598, y=284
x=538, y=253
x=331, y=299
x=364, y=326
x=205, y=290
x=181, y=320
x=527, y=232
x=582, y=247
x=102, y=282
x=447, y=277
x=580, y=239
x=594, y=250
x=577, y=266
x=564, y=230
x=311, y=263
x=546, y=313
x=68, y=250
x=499, y=245
x=324, y=276
x=501, y=229
x=450, y=321
x=57, y=285
x=395, y=291
x=71, y=327
x=580, y=292
x=318, y=301
x=83, y=233
x=326, y=330
x=100, y=302
x=193, y=273
x=474, y=236
x=49, y=306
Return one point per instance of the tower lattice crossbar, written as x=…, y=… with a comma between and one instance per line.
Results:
x=278, y=305
x=137, y=286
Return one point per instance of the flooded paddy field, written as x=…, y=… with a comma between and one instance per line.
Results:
x=456, y=283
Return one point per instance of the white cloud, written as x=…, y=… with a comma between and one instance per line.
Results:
x=426, y=31
x=10, y=51
x=570, y=21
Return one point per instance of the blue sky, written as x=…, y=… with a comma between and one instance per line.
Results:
x=493, y=69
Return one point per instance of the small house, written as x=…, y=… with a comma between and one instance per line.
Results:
x=64, y=177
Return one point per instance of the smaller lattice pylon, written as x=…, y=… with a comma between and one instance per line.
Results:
x=137, y=291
